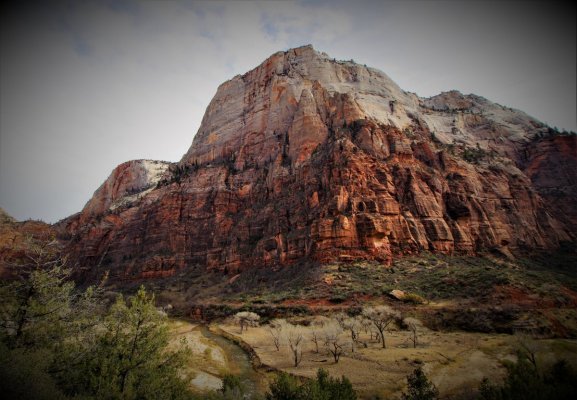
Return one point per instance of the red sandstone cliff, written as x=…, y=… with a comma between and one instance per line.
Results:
x=308, y=157
x=24, y=243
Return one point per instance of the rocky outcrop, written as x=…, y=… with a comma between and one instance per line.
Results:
x=23, y=244
x=128, y=182
x=308, y=157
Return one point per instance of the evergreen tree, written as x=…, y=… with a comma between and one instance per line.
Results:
x=56, y=342
x=42, y=322
x=323, y=387
x=285, y=387
x=419, y=387
x=131, y=360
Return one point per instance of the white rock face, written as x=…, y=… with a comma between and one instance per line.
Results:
x=129, y=182
x=474, y=120
x=263, y=102
x=251, y=111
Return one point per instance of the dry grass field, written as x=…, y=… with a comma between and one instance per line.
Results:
x=455, y=361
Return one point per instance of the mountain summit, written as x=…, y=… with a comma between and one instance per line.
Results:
x=306, y=157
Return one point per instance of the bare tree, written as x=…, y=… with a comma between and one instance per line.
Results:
x=366, y=324
x=528, y=345
x=295, y=340
x=334, y=341
x=317, y=327
x=275, y=330
x=381, y=317
x=352, y=325
x=246, y=319
x=315, y=338
x=414, y=325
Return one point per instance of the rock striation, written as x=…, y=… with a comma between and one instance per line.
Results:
x=306, y=157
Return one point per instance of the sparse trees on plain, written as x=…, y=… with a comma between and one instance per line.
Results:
x=295, y=341
x=351, y=325
x=334, y=341
x=317, y=332
x=381, y=317
x=366, y=324
x=246, y=319
x=275, y=330
x=414, y=325
x=315, y=338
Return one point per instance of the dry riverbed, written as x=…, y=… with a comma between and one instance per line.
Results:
x=213, y=357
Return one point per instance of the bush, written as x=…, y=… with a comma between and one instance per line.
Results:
x=286, y=387
x=413, y=298
x=524, y=382
x=420, y=388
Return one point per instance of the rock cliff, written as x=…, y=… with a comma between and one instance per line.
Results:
x=306, y=157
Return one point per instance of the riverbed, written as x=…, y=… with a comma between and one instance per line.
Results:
x=213, y=357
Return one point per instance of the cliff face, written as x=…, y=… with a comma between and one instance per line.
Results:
x=23, y=243
x=308, y=157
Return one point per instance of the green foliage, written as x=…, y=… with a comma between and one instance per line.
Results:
x=419, y=387
x=130, y=360
x=57, y=342
x=324, y=387
x=33, y=310
x=232, y=387
x=42, y=326
x=414, y=298
x=285, y=387
x=525, y=382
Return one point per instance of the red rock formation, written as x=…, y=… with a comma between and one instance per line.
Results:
x=21, y=243
x=551, y=164
x=307, y=157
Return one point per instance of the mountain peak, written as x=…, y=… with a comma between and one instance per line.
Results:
x=309, y=158
x=266, y=100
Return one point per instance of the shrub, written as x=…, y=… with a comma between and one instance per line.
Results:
x=524, y=381
x=286, y=387
x=420, y=388
x=413, y=298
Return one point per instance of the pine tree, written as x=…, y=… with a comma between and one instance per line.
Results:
x=420, y=388
x=131, y=360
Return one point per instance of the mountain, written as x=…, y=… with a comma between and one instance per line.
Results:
x=310, y=158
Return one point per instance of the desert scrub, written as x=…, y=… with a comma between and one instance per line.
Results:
x=413, y=298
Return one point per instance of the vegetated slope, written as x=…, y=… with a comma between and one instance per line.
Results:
x=23, y=243
x=309, y=158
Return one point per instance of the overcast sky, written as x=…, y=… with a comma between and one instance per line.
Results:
x=87, y=85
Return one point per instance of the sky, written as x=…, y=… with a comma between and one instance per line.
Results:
x=87, y=85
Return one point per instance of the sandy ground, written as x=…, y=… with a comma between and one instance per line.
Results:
x=455, y=362
x=213, y=357
x=208, y=362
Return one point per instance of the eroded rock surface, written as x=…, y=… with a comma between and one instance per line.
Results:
x=308, y=157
